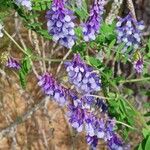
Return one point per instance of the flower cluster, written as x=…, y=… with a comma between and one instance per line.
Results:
x=92, y=25
x=1, y=34
x=12, y=63
x=95, y=127
x=129, y=32
x=138, y=65
x=52, y=88
x=60, y=24
x=82, y=75
x=25, y=3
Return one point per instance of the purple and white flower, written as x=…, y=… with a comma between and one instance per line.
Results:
x=129, y=32
x=138, y=65
x=92, y=26
x=60, y=24
x=82, y=75
x=12, y=63
x=52, y=88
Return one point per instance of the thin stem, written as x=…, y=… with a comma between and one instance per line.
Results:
x=119, y=122
x=31, y=56
x=47, y=59
x=15, y=42
x=135, y=80
x=97, y=96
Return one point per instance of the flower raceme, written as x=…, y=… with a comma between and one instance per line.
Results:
x=82, y=75
x=52, y=88
x=92, y=26
x=95, y=127
x=60, y=24
x=129, y=32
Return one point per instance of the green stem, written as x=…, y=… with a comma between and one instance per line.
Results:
x=15, y=42
x=135, y=80
x=30, y=55
x=119, y=122
x=47, y=59
x=97, y=96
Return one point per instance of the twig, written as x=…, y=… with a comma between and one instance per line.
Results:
x=64, y=58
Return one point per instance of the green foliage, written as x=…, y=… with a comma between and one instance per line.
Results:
x=39, y=5
x=107, y=34
x=24, y=70
x=145, y=144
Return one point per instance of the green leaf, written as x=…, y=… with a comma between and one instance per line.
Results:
x=147, y=146
x=24, y=70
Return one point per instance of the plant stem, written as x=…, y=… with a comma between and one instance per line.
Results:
x=119, y=122
x=135, y=80
x=30, y=55
x=97, y=96
x=15, y=42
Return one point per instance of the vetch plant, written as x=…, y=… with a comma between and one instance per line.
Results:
x=95, y=84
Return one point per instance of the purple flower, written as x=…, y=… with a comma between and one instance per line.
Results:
x=92, y=26
x=92, y=141
x=129, y=32
x=25, y=3
x=82, y=75
x=60, y=24
x=12, y=63
x=115, y=143
x=52, y=88
x=138, y=65
x=76, y=117
x=95, y=125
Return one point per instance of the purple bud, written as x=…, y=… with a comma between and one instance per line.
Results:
x=12, y=63
x=138, y=65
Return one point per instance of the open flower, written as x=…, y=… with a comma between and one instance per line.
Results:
x=82, y=75
x=52, y=88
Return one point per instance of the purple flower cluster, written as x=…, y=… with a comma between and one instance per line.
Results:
x=92, y=26
x=138, y=65
x=52, y=88
x=82, y=76
x=12, y=63
x=60, y=24
x=25, y=3
x=129, y=31
x=95, y=127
